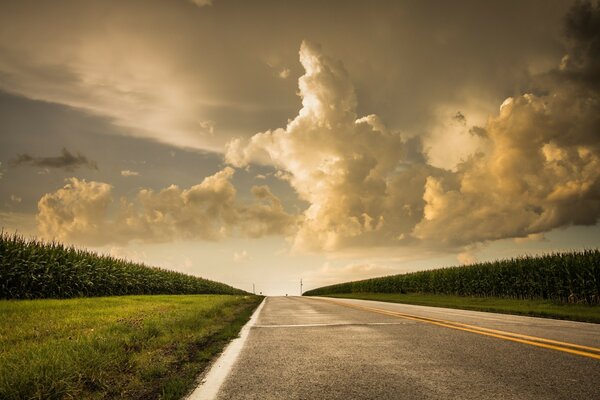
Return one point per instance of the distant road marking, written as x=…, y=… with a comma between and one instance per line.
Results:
x=585, y=351
x=210, y=385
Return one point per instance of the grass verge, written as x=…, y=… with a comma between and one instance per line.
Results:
x=532, y=308
x=129, y=347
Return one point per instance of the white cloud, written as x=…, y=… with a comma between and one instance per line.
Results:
x=532, y=168
x=284, y=73
x=542, y=172
x=346, y=167
x=79, y=212
x=127, y=172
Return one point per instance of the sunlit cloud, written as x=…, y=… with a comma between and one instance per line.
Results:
x=534, y=167
x=127, y=172
x=81, y=212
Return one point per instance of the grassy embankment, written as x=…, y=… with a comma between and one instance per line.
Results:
x=561, y=285
x=125, y=347
x=150, y=341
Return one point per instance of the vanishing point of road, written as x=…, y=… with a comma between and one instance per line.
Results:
x=319, y=348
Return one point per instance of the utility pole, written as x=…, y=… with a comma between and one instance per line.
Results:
x=300, y=286
x=253, y=289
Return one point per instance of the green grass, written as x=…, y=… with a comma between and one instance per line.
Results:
x=129, y=347
x=535, y=308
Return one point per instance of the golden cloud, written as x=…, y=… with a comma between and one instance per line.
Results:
x=80, y=212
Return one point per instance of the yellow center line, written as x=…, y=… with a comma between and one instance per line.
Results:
x=585, y=351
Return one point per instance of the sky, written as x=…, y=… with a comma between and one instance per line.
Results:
x=264, y=142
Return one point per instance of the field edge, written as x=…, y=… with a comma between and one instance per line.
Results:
x=529, y=308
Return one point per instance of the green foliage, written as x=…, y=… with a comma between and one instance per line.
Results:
x=570, y=277
x=33, y=269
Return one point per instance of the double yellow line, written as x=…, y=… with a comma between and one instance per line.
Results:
x=585, y=351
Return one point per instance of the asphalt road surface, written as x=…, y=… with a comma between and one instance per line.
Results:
x=317, y=348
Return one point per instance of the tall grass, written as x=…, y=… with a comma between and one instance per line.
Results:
x=118, y=347
x=31, y=269
x=568, y=277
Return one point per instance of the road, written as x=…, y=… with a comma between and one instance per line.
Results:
x=317, y=348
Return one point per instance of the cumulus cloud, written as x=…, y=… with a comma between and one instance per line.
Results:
x=543, y=167
x=349, y=169
x=531, y=167
x=535, y=166
x=127, y=172
x=81, y=212
x=76, y=211
x=66, y=160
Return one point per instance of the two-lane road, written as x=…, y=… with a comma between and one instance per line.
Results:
x=316, y=348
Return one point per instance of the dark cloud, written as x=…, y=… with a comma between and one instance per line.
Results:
x=478, y=131
x=66, y=160
x=186, y=71
x=582, y=27
x=460, y=118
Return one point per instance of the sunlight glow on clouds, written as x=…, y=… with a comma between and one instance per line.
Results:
x=80, y=212
x=541, y=169
x=531, y=166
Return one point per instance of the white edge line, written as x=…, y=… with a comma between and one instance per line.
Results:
x=212, y=381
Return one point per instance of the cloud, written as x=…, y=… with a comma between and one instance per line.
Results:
x=534, y=167
x=241, y=256
x=75, y=212
x=80, y=212
x=66, y=160
x=349, y=169
x=532, y=237
x=466, y=258
x=284, y=73
x=542, y=169
x=460, y=118
x=127, y=172
x=582, y=27
x=202, y=3
x=15, y=199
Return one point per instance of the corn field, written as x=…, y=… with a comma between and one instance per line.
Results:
x=33, y=269
x=570, y=277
